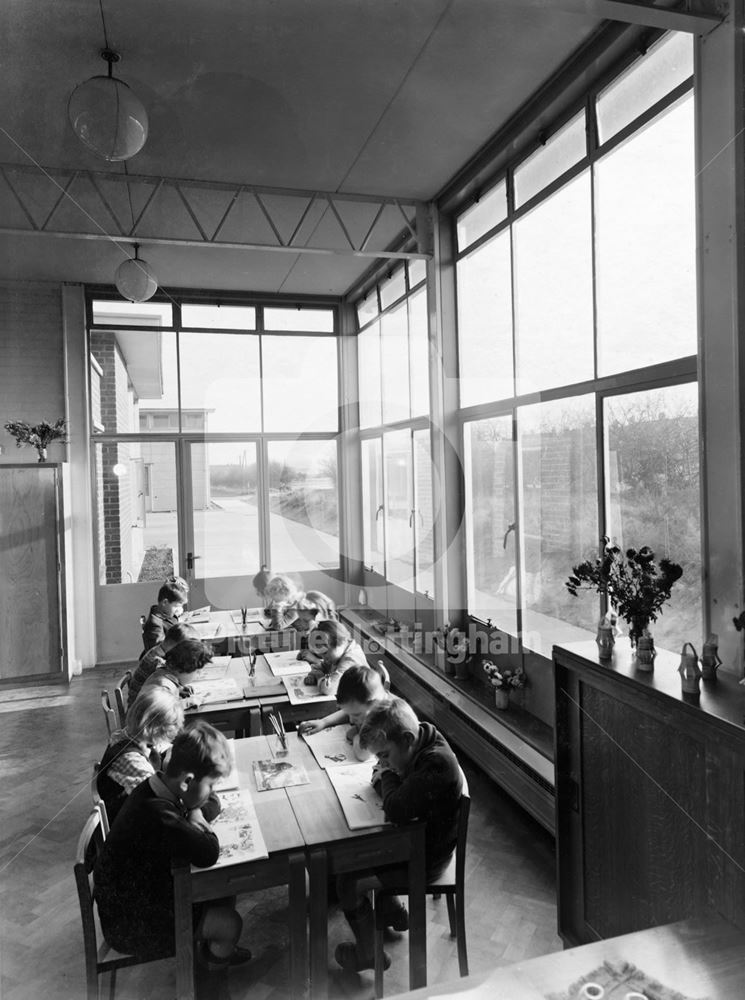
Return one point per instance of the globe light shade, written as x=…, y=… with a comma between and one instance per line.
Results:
x=108, y=117
x=135, y=280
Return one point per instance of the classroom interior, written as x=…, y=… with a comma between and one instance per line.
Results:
x=444, y=294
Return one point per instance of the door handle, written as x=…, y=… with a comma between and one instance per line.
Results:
x=379, y=511
x=190, y=559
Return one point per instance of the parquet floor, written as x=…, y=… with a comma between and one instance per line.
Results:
x=48, y=741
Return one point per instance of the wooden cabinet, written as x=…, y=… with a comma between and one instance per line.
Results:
x=650, y=795
x=32, y=611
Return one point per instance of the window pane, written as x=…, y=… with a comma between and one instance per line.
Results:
x=214, y=317
x=423, y=514
x=220, y=383
x=368, y=363
x=490, y=526
x=399, y=503
x=312, y=320
x=561, y=152
x=647, y=81
x=133, y=374
x=419, y=353
x=652, y=457
x=367, y=308
x=225, y=508
x=557, y=521
x=117, y=313
x=553, y=282
x=488, y=212
x=392, y=288
x=485, y=322
x=373, y=521
x=417, y=272
x=303, y=519
x=300, y=384
x=646, y=245
x=136, y=511
x=395, y=361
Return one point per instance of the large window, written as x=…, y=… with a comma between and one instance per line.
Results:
x=213, y=437
x=588, y=282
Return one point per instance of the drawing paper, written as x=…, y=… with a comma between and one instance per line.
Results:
x=219, y=689
x=360, y=803
x=331, y=748
x=217, y=667
x=285, y=663
x=303, y=694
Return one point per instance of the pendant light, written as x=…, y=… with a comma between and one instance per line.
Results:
x=107, y=116
x=135, y=279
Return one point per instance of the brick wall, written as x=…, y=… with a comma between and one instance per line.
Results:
x=32, y=382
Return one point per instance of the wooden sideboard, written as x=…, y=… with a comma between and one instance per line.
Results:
x=650, y=795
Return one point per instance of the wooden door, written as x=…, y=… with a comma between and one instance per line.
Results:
x=30, y=625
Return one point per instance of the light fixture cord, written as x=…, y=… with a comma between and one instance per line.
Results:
x=105, y=35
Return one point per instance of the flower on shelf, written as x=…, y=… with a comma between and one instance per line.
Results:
x=635, y=585
x=504, y=677
x=39, y=435
x=453, y=640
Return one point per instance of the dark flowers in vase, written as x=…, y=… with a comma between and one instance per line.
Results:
x=635, y=585
x=39, y=435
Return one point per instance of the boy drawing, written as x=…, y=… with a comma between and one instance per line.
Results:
x=163, y=615
x=418, y=777
x=162, y=820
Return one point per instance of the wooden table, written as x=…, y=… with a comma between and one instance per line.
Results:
x=221, y=629
x=699, y=958
x=244, y=716
x=284, y=866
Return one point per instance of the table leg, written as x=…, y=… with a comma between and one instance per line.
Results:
x=298, y=927
x=417, y=914
x=184, y=933
x=254, y=722
x=319, y=924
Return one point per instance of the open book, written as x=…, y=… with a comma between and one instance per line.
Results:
x=197, y=615
x=285, y=663
x=216, y=668
x=303, y=694
x=218, y=689
x=330, y=747
x=237, y=828
x=360, y=803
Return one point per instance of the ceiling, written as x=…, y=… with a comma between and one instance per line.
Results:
x=374, y=97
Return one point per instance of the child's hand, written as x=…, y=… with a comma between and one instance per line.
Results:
x=311, y=726
x=308, y=657
x=377, y=773
x=351, y=733
x=310, y=680
x=196, y=818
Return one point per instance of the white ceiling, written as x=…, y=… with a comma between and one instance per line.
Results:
x=380, y=97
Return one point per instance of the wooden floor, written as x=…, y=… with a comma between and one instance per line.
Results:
x=49, y=738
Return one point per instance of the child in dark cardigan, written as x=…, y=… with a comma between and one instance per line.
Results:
x=163, y=615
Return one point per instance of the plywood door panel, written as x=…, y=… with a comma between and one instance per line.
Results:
x=29, y=583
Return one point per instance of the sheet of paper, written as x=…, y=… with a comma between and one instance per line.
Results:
x=276, y=773
x=231, y=780
x=285, y=663
x=331, y=748
x=197, y=615
x=360, y=803
x=217, y=667
x=206, y=630
x=237, y=828
x=219, y=689
x=303, y=694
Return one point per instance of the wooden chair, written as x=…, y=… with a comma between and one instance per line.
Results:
x=99, y=958
x=450, y=884
x=121, y=696
x=98, y=802
x=110, y=715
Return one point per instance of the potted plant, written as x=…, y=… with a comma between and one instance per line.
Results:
x=635, y=585
x=504, y=680
x=39, y=435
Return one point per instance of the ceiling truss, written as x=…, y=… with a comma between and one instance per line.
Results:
x=123, y=208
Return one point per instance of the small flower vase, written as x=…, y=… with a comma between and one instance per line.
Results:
x=606, y=640
x=638, y=628
x=501, y=699
x=645, y=652
x=689, y=670
x=710, y=660
x=42, y=454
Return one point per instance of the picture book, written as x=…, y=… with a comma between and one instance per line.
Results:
x=278, y=774
x=285, y=663
x=219, y=689
x=231, y=780
x=360, y=803
x=197, y=615
x=217, y=667
x=206, y=630
x=303, y=694
x=330, y=747
x=237, y=828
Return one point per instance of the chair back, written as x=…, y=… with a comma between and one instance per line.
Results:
x=98, y=802
x=121, y=697
x=464, y=811
x=89, y=844
x=110, y=715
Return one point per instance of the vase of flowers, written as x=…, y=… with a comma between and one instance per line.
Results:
x=634, y=584
x=451, y=651
x=504, y=680
x=39, y=435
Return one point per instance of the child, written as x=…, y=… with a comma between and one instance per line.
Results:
x=331, y=650
x=312, y=608
x=359, y=689
x=163, y=615
x=153, y=658
x=135, y=752
x=161, y=821
x=180, y=662
x=281, y=597
x=418, y=777
x=261, y=579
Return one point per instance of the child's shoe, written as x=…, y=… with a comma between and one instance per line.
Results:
x=238, y=956
x=348, y=956
x=395, y=914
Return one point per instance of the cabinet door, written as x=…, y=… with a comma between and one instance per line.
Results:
x=30, y=634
